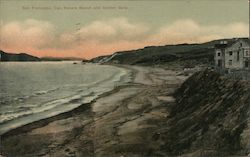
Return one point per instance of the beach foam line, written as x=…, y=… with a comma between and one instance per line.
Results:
x=71, y=105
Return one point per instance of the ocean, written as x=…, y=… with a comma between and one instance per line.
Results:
x=31, y=91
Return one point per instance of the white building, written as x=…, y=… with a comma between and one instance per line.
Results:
x=233, y=55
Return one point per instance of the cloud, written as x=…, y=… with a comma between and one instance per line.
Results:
x=102, y=32
x=30, y=33
x=103, y=37
x=97, y=30
x=189, y=31
x=112, y=30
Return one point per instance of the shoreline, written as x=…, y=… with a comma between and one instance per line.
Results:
x=111, y=125
x=67, y=114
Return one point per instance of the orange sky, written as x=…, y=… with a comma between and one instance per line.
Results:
x=60, y=34
x=105, y=37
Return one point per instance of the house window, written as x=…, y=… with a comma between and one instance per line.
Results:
x=238, y=56
x=240, y=44
x=219, y=54
x=247, y=53
x=246, y=64
x=230, y=62
x=230, y=53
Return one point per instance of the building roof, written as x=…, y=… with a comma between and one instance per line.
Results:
x=231, y=42
x=220, y=46
x=247, y=40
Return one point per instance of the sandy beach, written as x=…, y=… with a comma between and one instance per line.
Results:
x=126, y=122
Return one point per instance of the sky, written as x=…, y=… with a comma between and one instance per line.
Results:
x=86, y=29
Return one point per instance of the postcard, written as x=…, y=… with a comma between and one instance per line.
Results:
x=124, y=78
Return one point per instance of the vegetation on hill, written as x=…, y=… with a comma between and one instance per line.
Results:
x=191, y=54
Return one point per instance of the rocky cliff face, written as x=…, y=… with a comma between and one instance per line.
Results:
x=211, y=117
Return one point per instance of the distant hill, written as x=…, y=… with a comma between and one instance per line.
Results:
x=156, y=55
x=21, y=57
x=61, y=59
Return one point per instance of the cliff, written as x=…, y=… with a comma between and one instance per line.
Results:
x=17, y=57
x=210, y=118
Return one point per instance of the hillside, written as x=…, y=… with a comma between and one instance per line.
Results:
x=211, y=117
x=21, y=57
x=190, y=54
